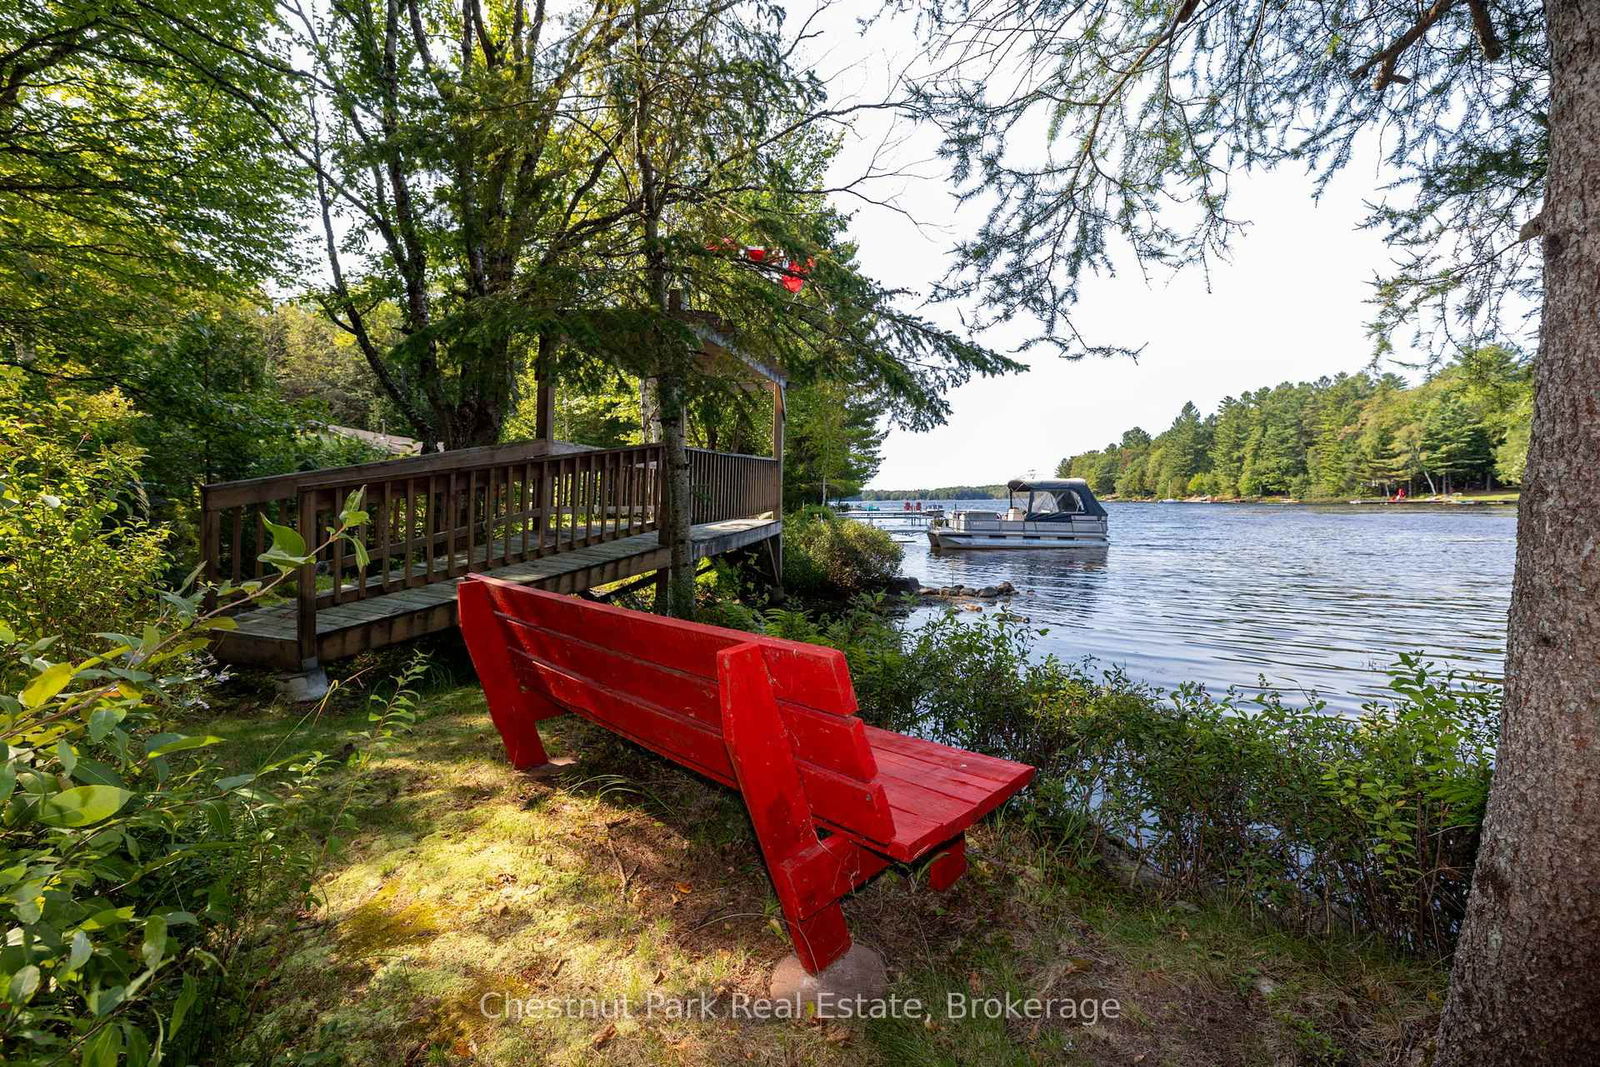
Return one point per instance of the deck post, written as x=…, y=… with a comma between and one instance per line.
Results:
x=544, y=408
x=211, y=543
x=778, y=417
x=306, y=610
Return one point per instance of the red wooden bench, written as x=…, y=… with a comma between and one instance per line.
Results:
x=834, y=801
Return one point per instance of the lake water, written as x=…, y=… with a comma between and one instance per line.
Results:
x=1313, y=598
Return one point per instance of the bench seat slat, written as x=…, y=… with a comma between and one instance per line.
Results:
x=832, y=741
x=943, y=759
x=959, y=787
x=936, y=791
x=810, y=675
x=859, y=809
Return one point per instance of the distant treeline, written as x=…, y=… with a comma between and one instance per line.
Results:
x=949, y=492
x=1465, y=428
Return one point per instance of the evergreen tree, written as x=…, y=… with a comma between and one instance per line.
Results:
x=1453, y=444
x=1347, y=434
x=832, y=444
x=1183, y=452
x=1228, y=437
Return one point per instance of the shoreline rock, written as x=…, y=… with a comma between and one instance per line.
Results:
x=965, y=592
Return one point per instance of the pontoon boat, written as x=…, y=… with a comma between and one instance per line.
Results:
x=1058, y=513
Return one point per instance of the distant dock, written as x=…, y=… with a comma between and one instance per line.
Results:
x=896, y=517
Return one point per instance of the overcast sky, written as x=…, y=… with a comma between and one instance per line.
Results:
x=1291, y=304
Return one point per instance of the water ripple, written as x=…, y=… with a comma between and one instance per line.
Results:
x=1312, y=598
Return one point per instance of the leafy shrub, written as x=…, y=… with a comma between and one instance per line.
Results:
x=128, y=854
x=76, y=552
x=828, y=557
x=1368, y=821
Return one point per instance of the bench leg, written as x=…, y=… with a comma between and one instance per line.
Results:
x=948, y=864
x=515, y=711
x=821, y=939
x=809, y=874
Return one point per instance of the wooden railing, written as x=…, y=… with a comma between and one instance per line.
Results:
x=728, y=485
x=432, y=518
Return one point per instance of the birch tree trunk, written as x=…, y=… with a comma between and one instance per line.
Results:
x=1526, y=985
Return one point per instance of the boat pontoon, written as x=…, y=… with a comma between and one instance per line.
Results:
x=1059, y=513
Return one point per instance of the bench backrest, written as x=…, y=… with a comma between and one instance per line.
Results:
x=654, y=680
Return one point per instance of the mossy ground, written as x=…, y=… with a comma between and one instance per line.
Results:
x=465, y=883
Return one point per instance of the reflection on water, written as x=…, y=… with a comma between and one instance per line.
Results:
x=1316, y=598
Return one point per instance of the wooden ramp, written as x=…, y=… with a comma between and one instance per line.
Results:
x=548, y=514
x=267, y=636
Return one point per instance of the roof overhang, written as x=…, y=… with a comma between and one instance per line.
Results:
x=720, y=354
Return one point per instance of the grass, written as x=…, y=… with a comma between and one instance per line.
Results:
x=464, y=880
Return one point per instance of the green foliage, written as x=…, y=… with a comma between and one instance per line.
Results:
x=1462, y=428
x=319, y=369
x=121, y=844
x=130, y=171
x=79, y=555
x=827, y=557
x=636, y=157
x=214, y=407
x=131, y=857
x=1367, y=821
x=594, y=405
x=833, y=437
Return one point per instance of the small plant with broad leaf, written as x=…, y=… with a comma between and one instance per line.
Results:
x=124, y=845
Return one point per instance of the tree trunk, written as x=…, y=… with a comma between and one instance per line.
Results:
x=1526, y=985
x=649, y=409
x=680, y=574
x=544, y=401
x=477, y=416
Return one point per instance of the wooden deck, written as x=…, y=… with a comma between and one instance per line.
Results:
x=267, y=636
x=545, y=514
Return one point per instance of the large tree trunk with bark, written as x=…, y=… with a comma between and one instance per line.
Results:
x=477, y=414
x=675, y=530
x=1526, y=985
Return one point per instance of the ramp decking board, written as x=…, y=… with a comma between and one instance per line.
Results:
x=266, y=636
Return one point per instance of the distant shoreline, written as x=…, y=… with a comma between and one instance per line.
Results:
x=1494, y=499
x=1479, y=500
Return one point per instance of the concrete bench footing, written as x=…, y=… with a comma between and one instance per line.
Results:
x=857, y=975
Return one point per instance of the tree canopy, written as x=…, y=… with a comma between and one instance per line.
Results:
x=520, y=185
x=1108, y=133
x=1466, y=427
x=130, y=174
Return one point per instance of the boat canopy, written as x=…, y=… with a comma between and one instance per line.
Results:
x=1061, y=497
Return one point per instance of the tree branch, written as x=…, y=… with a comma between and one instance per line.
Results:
x=1385, y=60
x=1483, y=26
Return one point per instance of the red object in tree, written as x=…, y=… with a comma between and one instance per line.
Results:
x=773, y=719
x=794, y=274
